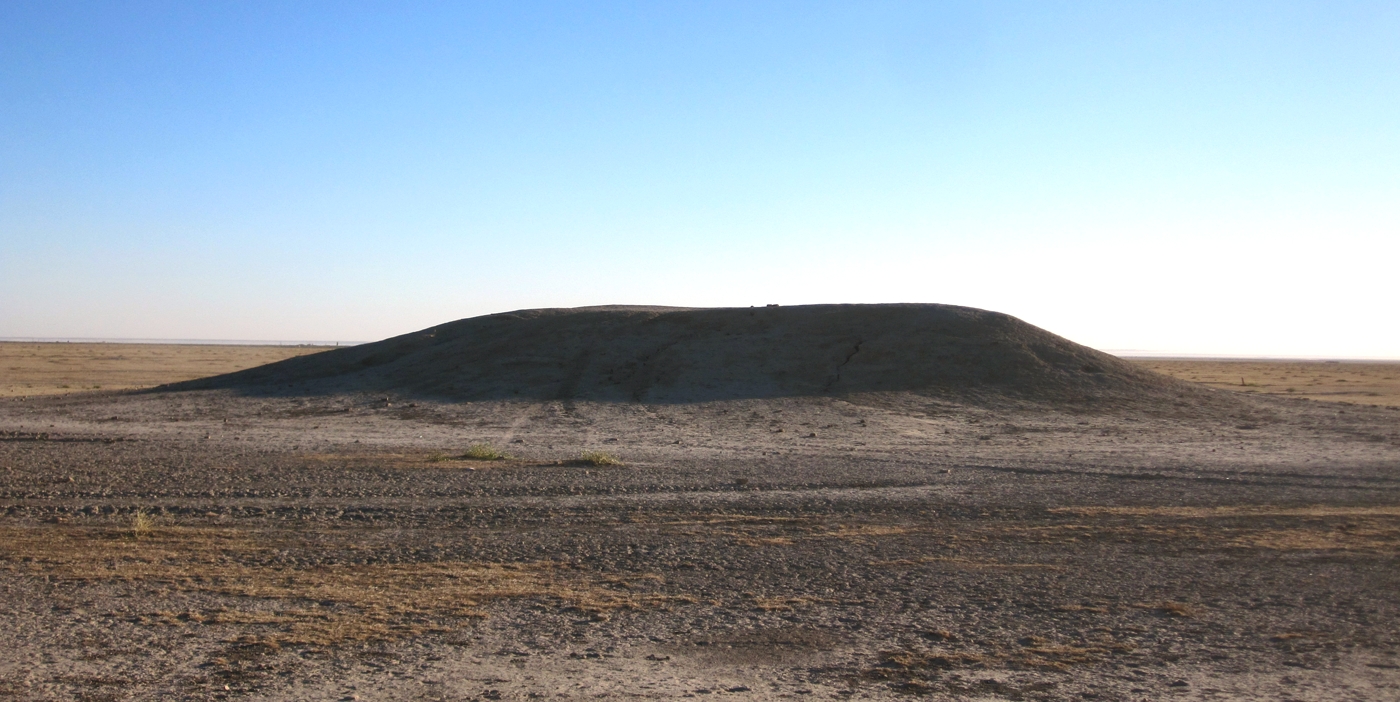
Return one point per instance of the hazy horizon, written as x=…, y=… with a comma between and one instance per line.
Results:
x=1122, y=353
x=1187, y=178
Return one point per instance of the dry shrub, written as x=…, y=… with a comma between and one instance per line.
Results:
x=930, y=660
x=1169, y=608
x=484, y=452
x=599, y=458
x=142, y=524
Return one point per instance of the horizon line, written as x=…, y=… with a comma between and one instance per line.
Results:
x=1121, y=353
x=1196, y=356
x=177, y=342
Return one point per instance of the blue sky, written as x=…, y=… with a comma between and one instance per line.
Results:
x=1203, y=177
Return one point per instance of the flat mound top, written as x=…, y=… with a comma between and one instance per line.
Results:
x=675, y=354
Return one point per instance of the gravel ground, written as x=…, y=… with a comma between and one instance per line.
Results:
x=198, y=545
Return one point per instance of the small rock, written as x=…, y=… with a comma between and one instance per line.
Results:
x=1180, y=683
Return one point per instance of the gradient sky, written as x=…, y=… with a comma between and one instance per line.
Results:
x=1190, y=177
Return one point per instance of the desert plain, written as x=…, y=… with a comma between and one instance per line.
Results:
x=505, y=509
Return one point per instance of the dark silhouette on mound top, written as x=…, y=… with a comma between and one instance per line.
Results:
x=672, y=354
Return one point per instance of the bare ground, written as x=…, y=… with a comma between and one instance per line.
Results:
x=1355, y=382
x=204, y=545
x=50, y=368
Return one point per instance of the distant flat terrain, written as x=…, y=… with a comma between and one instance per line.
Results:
x=50, y=368
x=1360, y=382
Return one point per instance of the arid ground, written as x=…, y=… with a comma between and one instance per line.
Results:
x=1356, y=382
x=49, y=368
x=340, y=544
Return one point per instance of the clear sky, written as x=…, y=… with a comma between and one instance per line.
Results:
x=1199, y=177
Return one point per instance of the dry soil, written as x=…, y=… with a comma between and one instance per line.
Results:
x=47, y=368
x=1356, y=382
x=221, y=543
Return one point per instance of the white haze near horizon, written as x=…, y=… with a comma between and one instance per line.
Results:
x=1170, y=178
x=1193, y=296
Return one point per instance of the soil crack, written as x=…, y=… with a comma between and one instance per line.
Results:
x=836, y=377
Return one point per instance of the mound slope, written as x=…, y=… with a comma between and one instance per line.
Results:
x=669, y=354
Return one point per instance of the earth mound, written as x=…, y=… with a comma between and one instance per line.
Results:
x=672, y=354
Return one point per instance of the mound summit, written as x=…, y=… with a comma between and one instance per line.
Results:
x=673, y=354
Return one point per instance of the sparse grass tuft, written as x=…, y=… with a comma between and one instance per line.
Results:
x=599, y=458
x=142, y=524
x=1168, y=608
x=484, y=452
x=929, y=660
x=372, y=602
